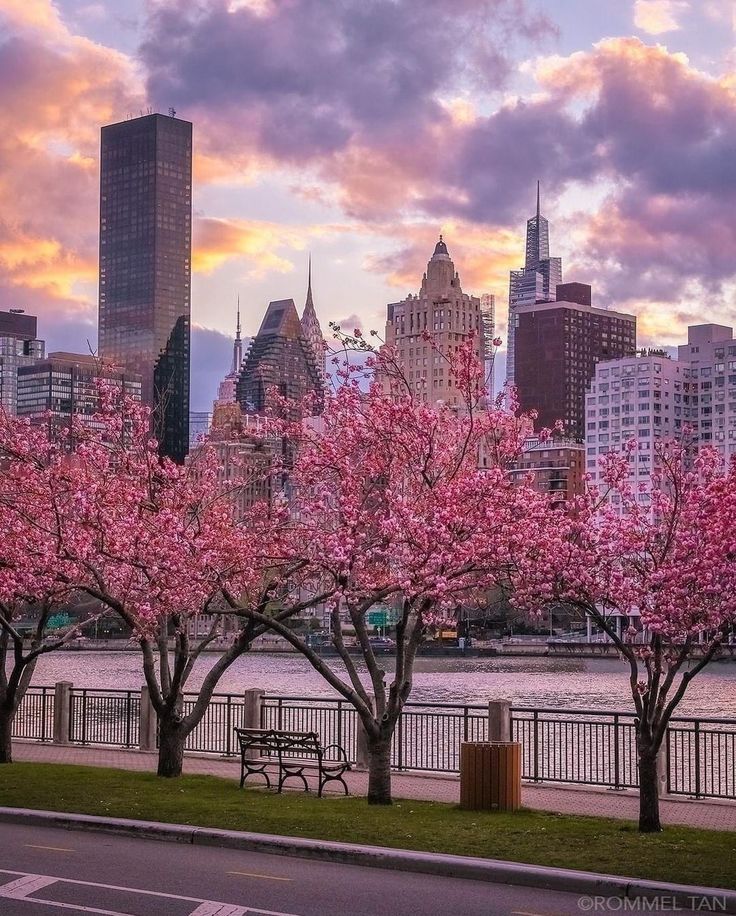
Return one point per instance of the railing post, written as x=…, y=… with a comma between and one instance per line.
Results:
x=147, y=723
x=535, y=745
x=616, y=761
x=663, y=782
x=499, y=720
x=697, y=758
x=62, y=711
x=253, y=700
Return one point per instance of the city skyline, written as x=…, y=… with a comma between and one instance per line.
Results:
x=626, y=115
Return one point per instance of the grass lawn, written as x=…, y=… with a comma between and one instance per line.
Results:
x=683, y=855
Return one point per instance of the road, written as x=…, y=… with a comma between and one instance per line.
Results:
x=51, y=871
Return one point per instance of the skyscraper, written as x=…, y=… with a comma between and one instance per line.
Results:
x=311, y=326
x=447, y=314
x=145, y=264
x=488, y=327
x=536, y=281
x=226, y=388
x=279, y=358
x=19, y=346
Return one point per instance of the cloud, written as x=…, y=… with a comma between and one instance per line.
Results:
x=658, y=16
x=290, y=82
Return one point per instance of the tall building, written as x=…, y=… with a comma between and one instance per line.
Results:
x=311, y=326
x=145, y=264
x=447, y=315
x=646, y=397
x=281, y=358
x=245, y=456
x=558, y=345
x=535, y=282
x=19, y=346
x=488, y=326
x=226, y=388
x=66, y=384
x=651, y=397
x=711, y=353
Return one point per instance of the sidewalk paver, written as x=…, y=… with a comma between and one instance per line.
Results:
x=710, y=815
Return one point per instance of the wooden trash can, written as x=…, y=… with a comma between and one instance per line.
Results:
x=490, y=775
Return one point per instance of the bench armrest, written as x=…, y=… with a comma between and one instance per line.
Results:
x=342, y=755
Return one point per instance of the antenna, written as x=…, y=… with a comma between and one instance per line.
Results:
x=537, y=199
x=172, y=112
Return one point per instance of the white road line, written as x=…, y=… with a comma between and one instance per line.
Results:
x=22, y=887
x=210, y=908
x=48, y=879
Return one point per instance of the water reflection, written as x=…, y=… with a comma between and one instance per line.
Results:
x=589, y=683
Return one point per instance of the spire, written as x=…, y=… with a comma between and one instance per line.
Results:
x=538, y=210
x=237, y=345
x=309, y=304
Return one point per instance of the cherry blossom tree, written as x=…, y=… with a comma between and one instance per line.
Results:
x=402, y=501
x=661, y=556
x=35, y=578
x=156, y=542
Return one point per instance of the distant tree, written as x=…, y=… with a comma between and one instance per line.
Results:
x=666, y=561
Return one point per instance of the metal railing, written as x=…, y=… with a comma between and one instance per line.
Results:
x=109, y=717
x=583, y=746
x=35, y=716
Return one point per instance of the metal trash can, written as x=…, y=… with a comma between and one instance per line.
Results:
x=490, y=775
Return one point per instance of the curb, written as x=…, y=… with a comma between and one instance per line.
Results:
x=493, y=871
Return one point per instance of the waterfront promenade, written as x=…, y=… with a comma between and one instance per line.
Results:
x=710, y=815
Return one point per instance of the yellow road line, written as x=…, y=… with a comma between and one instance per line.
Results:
x=50, y=848
x=250, y=874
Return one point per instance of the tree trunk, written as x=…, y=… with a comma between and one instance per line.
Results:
x=171, y=739
x=648, y=792
x=379, y=771
x=7, y=714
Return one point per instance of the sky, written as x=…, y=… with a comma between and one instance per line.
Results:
x=358, y=130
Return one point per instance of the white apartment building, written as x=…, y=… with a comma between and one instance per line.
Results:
x=711, y=352
x=643, y=397
x=652, y=397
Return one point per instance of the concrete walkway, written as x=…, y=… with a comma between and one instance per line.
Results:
x=711, y=815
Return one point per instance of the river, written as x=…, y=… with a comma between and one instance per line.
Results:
x=576, y=683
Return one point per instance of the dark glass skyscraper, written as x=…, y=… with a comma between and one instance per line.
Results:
x=145, y=264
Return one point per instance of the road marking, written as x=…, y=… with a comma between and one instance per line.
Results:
x=50, y=848
x=252, y=874
x=220, y=909
x=47, y=879
x=22, y=887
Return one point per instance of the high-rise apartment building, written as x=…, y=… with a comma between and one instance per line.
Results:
x=710, y=352
x=66, y=384
x=646, y=397
x=558, y=345
x=535, y=282
x=281, y=358
x=145, y=264
x=447, y=315
x=19, y=346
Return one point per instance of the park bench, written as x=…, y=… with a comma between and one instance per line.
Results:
x=295, y=754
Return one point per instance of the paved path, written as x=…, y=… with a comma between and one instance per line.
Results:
x=713, y=815
x=53, y=871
